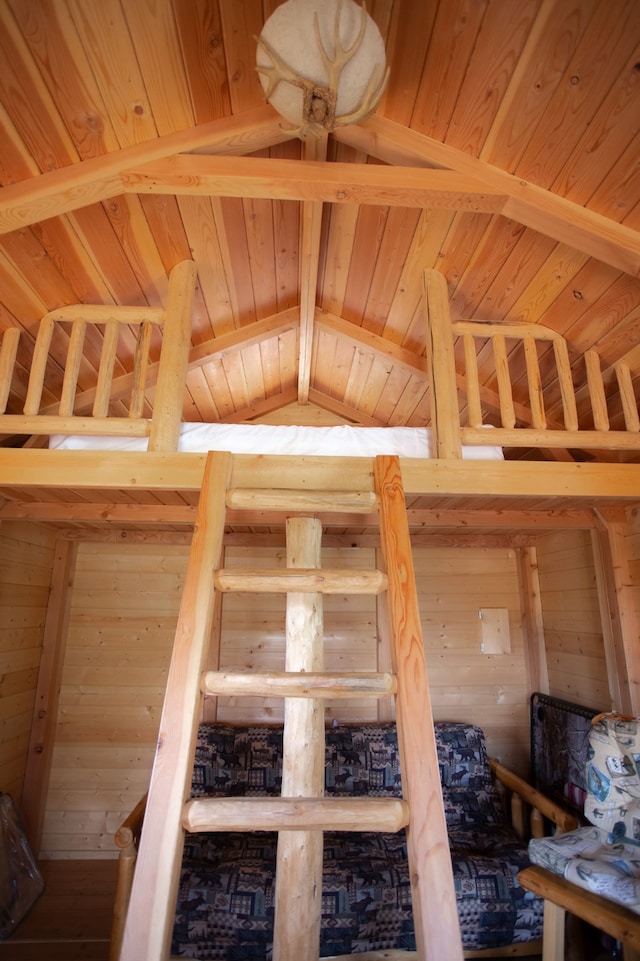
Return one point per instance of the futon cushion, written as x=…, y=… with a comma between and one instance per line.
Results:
x=226, y=896
x=586, y=858
x=467, y=787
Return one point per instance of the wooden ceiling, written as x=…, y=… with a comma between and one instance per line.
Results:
x=505, y=153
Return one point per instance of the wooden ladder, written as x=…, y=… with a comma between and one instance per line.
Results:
x=302, y=813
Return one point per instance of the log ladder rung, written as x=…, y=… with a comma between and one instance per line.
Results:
x=295, y=814
x=310, y=580
x=298, y=684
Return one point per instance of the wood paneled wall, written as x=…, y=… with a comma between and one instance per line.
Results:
x=572, y=622
x=121, y=630
x=467, y=684
x=123, y=613
x=253, y=635
x=26, y=561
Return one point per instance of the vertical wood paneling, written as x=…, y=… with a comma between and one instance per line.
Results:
x=571, y=618
x=123, y=616
x=26, y=561
x=121, y=629
x=491, y=690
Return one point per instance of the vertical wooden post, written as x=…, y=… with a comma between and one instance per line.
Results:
x=445, y=412
x=435, y=912
x=299, y=860
x=172, y=371
x=620, y=620
x=535, y=654
x=45, y=711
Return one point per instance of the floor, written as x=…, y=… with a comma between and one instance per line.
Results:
x=72, y=919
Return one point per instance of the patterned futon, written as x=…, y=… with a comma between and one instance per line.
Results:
x=225, y=900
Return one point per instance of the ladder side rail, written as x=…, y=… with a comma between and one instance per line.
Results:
x=434, y=902
x=153, y=896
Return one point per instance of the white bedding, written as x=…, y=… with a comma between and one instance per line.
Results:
x=341, y=440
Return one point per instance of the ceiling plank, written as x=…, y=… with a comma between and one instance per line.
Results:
x=541, y=210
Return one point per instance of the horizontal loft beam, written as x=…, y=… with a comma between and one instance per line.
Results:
x=172, y=471
x=115, y=515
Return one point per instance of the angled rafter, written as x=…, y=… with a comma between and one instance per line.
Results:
x=461, y=182
x=99, y=178
x=526, y=203
x=335, y=406
x=464, y=181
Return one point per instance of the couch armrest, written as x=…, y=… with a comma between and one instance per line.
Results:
x=522, y=794
x=126, y=838
x=560, y=895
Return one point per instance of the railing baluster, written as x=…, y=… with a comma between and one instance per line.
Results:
x=140, y=364
x=474, y=408
x=566, y=384
x=105, y=374
x=507, y=413
x=597, y=394
x=38, y=366
x=72, y=368
x=8, y=353
x=627, y=396
x=538, y=418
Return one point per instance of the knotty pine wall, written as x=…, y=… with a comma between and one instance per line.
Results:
x=26, y=563
x=121, y=629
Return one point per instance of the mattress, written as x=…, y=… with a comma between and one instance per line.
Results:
x=336, y=441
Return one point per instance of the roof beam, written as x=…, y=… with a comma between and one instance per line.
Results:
x=61, y=191
x=461, y=182
x=525, y=202
x=279, y=179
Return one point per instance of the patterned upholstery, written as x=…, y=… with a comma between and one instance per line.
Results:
x=225, y=901
x=604, y=855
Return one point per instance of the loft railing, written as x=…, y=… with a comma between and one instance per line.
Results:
x=516, y=351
